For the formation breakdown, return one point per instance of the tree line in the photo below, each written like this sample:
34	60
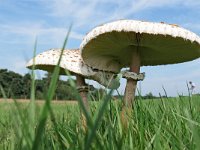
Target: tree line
18	86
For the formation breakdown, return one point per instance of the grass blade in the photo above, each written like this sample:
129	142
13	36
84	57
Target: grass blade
47	108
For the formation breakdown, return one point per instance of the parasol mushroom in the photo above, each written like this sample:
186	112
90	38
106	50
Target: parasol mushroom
130	43
72	61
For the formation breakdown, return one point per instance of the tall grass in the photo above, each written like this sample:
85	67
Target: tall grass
152	125
170	123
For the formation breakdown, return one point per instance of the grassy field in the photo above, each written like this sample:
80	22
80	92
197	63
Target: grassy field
153	124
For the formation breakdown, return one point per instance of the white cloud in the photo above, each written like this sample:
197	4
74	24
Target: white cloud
96	11
74	10
28	32
37	30
87	14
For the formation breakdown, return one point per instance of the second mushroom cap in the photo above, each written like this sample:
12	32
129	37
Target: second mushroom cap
72	61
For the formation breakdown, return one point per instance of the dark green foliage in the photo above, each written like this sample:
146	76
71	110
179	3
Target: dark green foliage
18	86
149	96
12	83
27	85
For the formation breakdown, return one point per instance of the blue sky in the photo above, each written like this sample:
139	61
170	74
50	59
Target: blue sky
21	21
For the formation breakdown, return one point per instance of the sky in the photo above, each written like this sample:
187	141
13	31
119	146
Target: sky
24	21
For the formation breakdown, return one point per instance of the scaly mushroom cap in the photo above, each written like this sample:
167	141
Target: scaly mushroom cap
109	47
71	61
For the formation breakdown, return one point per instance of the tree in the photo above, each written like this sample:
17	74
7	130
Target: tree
149	96
27	85
12	83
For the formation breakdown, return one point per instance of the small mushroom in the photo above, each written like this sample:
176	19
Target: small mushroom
130	43
72	61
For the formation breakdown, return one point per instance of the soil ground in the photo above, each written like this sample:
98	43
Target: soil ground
39	101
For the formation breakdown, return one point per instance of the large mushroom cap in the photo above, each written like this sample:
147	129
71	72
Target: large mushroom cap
109	47
71	61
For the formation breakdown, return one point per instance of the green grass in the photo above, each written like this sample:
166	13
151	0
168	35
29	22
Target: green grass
154	124
171	123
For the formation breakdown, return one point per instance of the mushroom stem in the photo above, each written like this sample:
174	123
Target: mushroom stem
80	81
132	84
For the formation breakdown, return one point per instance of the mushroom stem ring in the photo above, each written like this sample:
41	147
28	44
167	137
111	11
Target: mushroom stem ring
84	88
132	75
